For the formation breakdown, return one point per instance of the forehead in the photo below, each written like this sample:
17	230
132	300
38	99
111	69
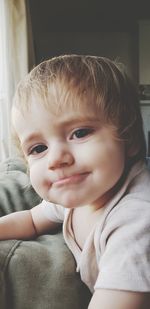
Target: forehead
39	115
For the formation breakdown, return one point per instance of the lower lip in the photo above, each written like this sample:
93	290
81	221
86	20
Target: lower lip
74	179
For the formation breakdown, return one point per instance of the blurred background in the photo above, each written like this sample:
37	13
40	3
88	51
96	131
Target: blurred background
110	28
114	29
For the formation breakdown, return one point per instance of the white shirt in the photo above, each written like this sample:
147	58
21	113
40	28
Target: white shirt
116	254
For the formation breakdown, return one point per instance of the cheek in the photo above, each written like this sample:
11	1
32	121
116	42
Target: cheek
36	177
114	162
108	159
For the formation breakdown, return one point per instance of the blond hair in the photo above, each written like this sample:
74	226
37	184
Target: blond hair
71	80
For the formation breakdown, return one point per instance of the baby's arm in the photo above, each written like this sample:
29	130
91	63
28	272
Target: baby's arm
113	299
25	224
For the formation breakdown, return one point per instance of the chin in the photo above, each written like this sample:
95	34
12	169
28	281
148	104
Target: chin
68	202
72	204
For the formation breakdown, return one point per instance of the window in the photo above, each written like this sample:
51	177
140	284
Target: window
13	63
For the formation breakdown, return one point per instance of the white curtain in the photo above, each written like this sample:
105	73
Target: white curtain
13	63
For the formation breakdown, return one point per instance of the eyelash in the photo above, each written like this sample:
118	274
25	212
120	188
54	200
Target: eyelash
81	133
35	149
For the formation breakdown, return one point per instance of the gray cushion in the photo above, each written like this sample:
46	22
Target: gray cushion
40	273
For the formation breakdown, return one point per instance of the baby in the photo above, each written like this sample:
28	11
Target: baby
78	122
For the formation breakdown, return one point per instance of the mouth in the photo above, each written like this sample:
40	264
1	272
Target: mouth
73	179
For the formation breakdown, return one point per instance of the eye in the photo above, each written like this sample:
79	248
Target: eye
81	133
37	149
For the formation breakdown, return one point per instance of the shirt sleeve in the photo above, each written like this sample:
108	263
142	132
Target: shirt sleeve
125	249
53	212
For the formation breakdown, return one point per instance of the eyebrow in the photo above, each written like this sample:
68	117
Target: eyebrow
31	137
78	119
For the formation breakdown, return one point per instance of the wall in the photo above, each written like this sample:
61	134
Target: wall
112	29
144	51
99	27
144	73
120	45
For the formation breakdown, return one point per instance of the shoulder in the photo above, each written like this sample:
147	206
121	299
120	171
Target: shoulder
134	203
134	192
140	183
53	212
131	215
124	244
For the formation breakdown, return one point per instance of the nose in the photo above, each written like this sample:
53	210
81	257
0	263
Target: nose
59	156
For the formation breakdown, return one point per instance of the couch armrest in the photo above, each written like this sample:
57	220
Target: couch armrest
40	274
36	274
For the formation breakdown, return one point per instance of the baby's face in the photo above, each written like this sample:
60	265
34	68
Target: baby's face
74	160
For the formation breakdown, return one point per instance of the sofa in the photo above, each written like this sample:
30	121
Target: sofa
38	273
